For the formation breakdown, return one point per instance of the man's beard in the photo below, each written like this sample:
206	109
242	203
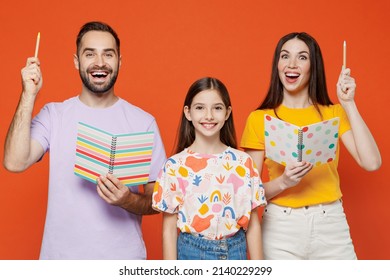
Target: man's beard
98	89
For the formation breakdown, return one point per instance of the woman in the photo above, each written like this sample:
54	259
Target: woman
304	218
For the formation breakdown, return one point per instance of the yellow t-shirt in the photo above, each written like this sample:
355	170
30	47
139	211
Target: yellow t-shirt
321	184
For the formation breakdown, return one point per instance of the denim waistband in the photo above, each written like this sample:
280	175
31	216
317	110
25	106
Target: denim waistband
205	244
322	207
338	201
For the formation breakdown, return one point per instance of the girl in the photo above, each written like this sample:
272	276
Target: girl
305	218
209	190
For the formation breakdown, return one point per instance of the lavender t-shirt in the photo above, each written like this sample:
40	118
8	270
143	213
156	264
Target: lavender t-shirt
79	224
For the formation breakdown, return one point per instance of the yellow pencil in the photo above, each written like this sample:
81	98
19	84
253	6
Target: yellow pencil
344	55
37	44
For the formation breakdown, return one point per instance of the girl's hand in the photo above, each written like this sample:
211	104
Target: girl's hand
346	87
293	173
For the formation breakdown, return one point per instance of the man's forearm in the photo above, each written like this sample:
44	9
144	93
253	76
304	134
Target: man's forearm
139	204
17	143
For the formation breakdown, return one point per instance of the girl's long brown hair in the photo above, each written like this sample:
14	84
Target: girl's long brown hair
186	132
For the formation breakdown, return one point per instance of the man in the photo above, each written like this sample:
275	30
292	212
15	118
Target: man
84	220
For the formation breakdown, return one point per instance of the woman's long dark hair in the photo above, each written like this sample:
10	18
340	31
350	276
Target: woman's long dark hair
186	132
318	92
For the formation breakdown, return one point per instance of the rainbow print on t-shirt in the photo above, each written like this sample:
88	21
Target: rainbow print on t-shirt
315	143
126	156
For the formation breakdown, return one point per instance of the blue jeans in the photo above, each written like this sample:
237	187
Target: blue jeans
190	247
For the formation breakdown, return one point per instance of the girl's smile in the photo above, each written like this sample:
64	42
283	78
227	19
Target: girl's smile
207	113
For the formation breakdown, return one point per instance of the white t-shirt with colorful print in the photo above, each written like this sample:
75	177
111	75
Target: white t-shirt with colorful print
213	195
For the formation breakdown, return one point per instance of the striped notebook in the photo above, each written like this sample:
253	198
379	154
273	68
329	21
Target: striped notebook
126	156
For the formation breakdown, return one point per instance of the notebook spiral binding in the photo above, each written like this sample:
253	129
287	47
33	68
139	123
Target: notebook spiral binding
300	145
112	155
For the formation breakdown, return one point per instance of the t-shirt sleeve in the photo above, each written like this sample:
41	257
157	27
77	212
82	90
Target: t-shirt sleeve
167	195
257	189
344	121
253	134
40	128
158	153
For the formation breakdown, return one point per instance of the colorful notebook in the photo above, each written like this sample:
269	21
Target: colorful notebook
315	143
126	156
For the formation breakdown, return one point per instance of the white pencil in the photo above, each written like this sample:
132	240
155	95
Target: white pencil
345	54
37	44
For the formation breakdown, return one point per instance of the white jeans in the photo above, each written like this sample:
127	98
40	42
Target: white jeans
318	232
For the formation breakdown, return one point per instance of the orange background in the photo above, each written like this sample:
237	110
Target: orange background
166	45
